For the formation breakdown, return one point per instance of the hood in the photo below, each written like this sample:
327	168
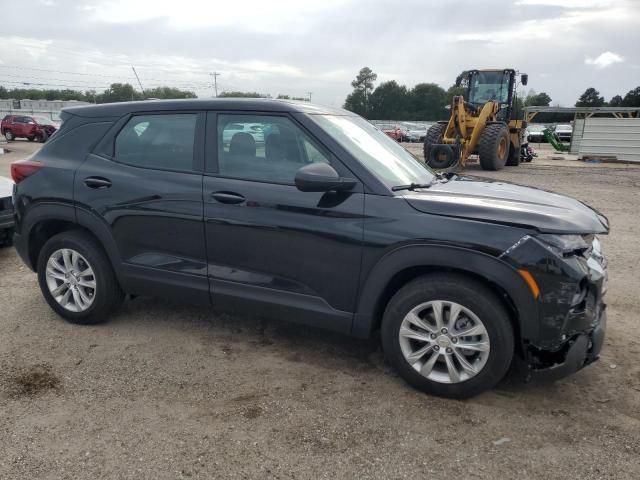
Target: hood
509	204
6	187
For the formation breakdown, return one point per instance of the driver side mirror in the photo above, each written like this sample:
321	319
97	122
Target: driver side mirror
524	78
321	177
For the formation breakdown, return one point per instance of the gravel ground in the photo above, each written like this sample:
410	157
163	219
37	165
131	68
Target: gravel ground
166	391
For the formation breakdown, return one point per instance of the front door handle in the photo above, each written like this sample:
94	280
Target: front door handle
228	197
97	182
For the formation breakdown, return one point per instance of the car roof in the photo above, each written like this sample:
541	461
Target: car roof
226	104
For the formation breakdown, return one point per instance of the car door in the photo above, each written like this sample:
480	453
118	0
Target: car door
144	181
19	126
271	248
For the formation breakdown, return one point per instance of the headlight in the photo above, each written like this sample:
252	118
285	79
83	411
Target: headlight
566	245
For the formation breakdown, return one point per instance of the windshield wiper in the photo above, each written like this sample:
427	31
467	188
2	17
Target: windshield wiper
411	186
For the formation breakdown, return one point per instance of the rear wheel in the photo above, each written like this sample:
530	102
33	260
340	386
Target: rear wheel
8	134
494	145
514	156
76	278
448	335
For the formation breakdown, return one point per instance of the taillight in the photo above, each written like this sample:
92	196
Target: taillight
23	169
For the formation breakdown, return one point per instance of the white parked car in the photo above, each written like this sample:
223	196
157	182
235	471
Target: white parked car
6	212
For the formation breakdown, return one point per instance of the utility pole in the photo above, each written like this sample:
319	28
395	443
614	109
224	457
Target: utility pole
215	81
139	82
310	93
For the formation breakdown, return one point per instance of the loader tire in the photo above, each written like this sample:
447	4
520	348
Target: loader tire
434	136
514	156
493	148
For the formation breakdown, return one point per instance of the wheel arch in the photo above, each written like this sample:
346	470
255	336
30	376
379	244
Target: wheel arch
48	219
404	264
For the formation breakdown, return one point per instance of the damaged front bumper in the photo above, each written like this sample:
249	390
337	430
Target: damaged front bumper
572	312
576	353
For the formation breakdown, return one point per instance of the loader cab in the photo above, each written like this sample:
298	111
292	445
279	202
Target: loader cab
491	85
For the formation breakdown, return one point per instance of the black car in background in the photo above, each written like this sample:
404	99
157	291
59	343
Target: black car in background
6	212
327	222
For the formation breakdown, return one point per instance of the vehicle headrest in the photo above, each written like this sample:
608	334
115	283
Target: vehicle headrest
242	143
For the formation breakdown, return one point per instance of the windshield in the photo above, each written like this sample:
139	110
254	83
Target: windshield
42	120
379	153
486	86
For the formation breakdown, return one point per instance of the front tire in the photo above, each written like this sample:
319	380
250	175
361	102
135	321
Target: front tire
448	335
77	280
494	145
433	137
41	137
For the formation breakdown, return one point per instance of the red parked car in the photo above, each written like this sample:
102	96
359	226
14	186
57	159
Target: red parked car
29	127
395	132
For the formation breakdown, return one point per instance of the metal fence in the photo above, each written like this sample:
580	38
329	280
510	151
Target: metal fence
611	137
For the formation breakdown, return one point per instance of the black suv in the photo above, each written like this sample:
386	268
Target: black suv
312	215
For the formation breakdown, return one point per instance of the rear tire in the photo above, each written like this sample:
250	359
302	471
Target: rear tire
8	134
107	294
514	156
477	305
494	145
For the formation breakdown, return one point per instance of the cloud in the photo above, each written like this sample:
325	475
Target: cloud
604	60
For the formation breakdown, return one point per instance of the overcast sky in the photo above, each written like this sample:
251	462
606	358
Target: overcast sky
297	46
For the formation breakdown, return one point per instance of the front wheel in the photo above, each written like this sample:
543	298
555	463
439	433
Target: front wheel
41	137
76	278
448	335
494	146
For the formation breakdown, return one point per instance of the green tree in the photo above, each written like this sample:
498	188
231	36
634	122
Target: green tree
358	100
616	101
590	98
237	94
428	101
355	102
537	99
168	92
119	92
389	101
456	91
632	98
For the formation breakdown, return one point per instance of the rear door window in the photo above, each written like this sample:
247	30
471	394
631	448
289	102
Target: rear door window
164	141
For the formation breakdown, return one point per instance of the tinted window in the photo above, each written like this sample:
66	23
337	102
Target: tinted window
158	141
264	148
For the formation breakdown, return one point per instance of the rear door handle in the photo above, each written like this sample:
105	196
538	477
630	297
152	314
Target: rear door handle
97	182
228	197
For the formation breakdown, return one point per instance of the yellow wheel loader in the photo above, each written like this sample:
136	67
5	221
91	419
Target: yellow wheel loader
484	124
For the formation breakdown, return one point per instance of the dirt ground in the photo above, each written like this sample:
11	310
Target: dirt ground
167	391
